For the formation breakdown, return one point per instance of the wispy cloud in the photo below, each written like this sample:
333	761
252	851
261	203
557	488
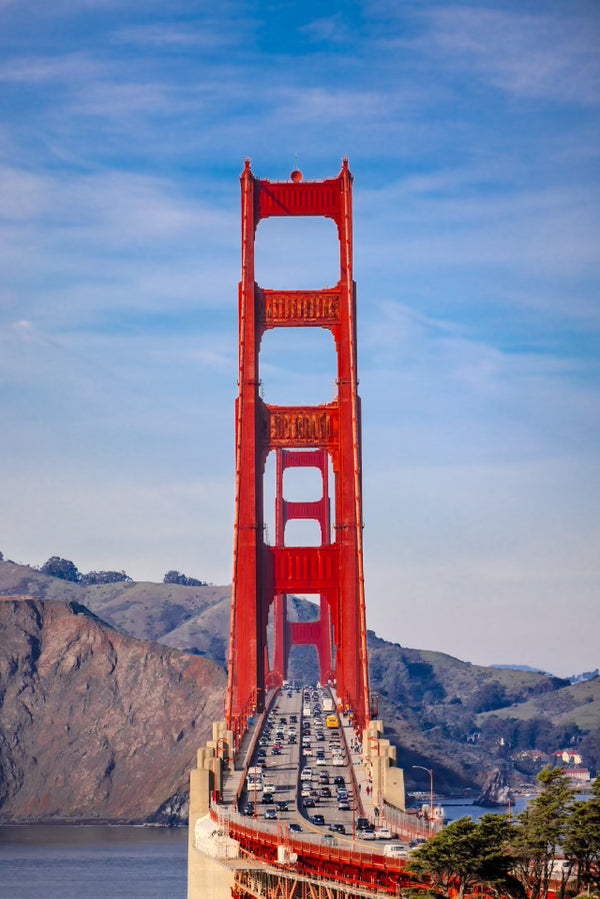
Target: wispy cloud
550	55
206	34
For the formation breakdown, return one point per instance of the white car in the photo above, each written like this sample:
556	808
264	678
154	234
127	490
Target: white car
337	761
395	850
321	761
306	774
367	835
384	833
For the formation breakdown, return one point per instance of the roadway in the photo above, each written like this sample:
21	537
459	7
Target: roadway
283	760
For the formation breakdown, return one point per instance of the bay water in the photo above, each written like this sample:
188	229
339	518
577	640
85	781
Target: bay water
92	862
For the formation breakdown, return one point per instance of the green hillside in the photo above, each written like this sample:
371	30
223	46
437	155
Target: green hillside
578	704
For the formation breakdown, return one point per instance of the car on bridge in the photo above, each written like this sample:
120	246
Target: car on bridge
271	814
318	819
337	828
395	850
383	833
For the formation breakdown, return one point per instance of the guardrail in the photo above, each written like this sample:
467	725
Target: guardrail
347	866
408	827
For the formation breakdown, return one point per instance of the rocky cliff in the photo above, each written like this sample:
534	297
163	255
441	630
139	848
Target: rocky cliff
96	725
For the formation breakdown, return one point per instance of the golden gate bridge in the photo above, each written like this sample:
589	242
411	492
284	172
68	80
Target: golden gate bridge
298	794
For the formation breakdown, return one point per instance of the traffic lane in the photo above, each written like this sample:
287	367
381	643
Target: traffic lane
280	771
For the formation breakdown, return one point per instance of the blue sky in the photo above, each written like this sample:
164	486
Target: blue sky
473	133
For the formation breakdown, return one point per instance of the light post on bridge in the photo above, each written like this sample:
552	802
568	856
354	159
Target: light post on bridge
430	772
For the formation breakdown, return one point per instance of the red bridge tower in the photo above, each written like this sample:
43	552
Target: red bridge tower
335	569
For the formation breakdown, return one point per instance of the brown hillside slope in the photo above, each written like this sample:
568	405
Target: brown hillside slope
95	725
189	618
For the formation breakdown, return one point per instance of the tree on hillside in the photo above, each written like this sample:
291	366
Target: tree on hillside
103	577
61	568
467	854
540	830
175	577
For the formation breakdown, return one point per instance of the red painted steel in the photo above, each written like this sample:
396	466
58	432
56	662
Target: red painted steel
335	571
345	866
317	633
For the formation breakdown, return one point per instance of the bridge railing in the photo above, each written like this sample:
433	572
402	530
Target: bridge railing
408	827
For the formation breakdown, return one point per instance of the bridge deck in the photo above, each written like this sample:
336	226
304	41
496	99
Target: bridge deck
286	742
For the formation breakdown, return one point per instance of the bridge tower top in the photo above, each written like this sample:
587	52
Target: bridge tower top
333	570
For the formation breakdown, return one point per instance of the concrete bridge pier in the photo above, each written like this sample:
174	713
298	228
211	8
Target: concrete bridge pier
208	878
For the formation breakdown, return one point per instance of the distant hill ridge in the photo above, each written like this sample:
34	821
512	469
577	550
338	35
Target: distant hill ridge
462	719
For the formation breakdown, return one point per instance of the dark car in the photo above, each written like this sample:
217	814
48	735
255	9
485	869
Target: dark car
270	813
339	781
296	827
337	828
249	810
308	803
325	792
318	819
267	797
282	806
362	823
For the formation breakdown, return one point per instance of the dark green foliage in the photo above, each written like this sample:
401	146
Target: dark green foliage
531	733
540	830
489	696
518	859
175	577
103	577
467	854
590	749
581	842
61	568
